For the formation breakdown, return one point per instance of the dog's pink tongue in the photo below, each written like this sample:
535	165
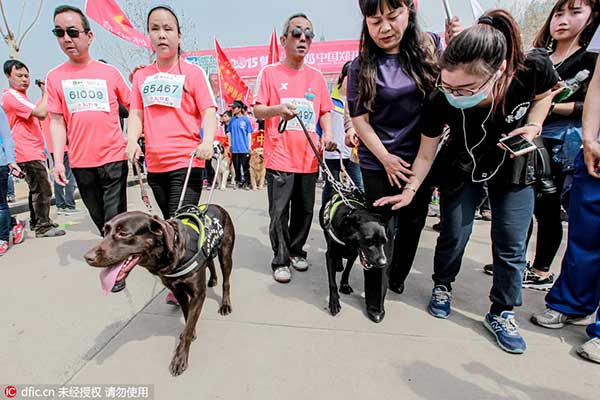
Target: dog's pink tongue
108	277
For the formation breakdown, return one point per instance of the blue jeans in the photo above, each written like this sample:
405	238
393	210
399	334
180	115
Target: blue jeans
11	186
65	195
352	169
6	222
577	290
512	209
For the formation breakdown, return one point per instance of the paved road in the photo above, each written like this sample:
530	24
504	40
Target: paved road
280	341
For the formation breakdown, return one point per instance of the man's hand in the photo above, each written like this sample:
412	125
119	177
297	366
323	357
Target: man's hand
59	174
591	155
351	139
204	151
14	167
133	151
286	111
329	143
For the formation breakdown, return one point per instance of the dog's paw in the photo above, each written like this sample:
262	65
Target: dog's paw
334	307
212	282
225	309
346	289
179	363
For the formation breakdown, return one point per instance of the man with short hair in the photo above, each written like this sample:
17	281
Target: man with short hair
240	131
24	120
83	101
284	90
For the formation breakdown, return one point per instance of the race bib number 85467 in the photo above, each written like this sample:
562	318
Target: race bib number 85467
163	89
86	95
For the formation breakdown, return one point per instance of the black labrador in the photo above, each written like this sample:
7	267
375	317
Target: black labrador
351	230
162	247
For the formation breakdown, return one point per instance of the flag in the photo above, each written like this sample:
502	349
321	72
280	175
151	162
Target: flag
109	15
232	85
477	10
273	49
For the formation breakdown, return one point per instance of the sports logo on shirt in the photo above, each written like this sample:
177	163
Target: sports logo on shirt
284	86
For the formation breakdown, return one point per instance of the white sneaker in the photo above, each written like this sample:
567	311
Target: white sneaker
590	350
299	264
553	319
282	274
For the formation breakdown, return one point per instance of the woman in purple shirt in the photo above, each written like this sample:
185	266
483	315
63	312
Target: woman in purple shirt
387	85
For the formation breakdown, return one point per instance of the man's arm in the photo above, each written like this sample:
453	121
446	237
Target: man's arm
41	110
58	131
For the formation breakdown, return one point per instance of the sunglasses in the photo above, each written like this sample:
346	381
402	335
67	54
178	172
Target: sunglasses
72	32
297	33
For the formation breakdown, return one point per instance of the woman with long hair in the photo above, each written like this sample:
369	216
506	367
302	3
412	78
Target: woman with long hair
387	86
487	89
566	34
171	100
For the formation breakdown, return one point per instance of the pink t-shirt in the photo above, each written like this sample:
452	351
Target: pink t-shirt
88	98
25	128
172	102
306	89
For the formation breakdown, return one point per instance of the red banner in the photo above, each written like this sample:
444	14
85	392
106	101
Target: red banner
258	139
109	15
274	55
328	57
232	85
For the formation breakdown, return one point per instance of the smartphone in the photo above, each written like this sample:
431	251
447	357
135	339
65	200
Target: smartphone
447	9
16	174
517	145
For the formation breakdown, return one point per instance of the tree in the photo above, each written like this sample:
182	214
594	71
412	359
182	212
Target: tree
531	15
12	40
127	56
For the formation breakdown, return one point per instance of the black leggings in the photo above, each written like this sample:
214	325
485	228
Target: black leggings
167	187
407	226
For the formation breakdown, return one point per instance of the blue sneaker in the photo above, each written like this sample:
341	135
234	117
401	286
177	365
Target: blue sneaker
506	331
441	299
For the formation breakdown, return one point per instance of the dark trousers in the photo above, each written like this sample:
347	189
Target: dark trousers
65	195
408	222
483	204
512	209
209	172
577	290
103	190
241	162
167	188
291	203
549	224
6	222
352	169
40	194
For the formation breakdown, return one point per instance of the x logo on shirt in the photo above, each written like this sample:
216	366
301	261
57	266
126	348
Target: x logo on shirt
284	86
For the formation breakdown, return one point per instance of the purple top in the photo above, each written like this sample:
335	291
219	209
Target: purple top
397	110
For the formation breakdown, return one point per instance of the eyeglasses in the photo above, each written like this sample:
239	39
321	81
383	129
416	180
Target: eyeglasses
460	91
72	32
297	33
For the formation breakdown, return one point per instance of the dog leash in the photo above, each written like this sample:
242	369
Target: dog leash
218	152
344	190
143	191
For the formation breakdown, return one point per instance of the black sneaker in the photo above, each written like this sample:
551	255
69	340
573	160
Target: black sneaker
488	269
531	280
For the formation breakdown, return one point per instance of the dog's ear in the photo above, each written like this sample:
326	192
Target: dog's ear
349	226
165	234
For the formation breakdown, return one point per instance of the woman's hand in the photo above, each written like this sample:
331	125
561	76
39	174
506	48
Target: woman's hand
204	151
351	139
397	169
398	201
591	155
528	132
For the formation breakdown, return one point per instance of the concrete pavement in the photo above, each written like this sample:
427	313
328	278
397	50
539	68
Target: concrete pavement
280	341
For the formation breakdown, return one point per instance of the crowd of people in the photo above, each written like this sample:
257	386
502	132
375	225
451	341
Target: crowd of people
412	114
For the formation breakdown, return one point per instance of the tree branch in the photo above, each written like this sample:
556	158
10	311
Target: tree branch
8	31
37	16
21	17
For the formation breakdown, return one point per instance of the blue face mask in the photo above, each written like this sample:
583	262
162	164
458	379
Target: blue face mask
464	102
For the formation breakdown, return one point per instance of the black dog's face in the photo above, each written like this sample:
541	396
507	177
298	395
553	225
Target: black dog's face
368	232
130	239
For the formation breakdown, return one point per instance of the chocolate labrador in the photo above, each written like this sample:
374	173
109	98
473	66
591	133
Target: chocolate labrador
352	231
175	251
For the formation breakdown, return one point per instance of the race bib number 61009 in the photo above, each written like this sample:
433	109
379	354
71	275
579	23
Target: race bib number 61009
86	95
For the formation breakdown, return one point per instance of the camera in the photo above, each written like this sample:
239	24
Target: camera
39	82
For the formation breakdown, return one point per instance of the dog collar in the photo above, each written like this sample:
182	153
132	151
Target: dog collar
330	209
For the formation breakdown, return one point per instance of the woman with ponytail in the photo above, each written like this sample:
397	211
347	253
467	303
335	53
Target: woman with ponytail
387	87
487	89
171	100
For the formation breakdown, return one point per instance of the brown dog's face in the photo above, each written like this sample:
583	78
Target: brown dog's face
258	154
130	239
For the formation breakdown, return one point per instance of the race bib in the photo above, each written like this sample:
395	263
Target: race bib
86	95
305	110
163	89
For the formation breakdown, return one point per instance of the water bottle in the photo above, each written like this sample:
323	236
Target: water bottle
572	85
